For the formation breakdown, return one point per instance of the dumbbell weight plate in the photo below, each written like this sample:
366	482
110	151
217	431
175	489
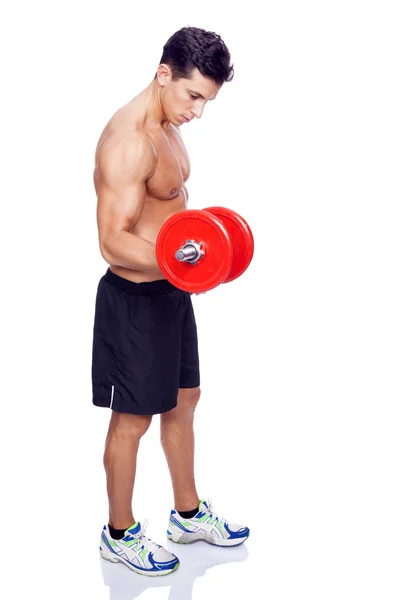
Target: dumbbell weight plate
241	238
207	230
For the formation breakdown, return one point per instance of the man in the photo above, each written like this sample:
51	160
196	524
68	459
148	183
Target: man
145	357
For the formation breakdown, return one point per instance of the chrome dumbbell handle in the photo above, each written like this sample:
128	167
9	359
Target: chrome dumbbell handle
190	252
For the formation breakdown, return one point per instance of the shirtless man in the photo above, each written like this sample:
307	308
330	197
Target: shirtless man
145	356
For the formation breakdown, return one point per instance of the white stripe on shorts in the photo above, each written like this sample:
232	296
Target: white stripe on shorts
112	396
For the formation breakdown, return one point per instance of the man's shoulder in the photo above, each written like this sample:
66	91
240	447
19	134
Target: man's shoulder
131	136
126	155
125	129
130	143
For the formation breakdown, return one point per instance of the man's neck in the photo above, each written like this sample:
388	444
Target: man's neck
154	112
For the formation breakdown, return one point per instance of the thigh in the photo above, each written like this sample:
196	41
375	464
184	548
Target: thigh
137	351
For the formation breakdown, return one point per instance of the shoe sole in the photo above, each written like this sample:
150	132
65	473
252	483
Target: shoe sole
107	555
186	538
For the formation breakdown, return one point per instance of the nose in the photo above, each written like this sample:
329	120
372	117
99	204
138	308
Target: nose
197	110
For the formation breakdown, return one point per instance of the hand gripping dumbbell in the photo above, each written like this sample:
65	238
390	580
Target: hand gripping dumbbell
199	249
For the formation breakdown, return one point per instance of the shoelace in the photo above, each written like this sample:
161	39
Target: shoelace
210	510
147	541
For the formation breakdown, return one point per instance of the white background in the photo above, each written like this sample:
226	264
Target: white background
298	426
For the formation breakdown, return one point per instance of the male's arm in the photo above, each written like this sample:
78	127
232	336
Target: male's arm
125	167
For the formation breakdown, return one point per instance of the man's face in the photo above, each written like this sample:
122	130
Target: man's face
184	99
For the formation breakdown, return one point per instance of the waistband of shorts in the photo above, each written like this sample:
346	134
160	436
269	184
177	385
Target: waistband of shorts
146	288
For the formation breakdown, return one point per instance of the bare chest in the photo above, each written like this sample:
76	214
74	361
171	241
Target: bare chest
173	166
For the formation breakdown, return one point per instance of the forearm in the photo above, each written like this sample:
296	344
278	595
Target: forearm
130	251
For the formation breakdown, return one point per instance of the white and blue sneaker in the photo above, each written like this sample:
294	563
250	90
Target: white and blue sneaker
206	526
138	552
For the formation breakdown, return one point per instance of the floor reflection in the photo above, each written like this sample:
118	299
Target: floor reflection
196	559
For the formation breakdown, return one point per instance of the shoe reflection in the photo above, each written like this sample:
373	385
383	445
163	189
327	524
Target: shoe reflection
196	559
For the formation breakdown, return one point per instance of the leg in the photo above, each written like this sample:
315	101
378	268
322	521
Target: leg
135	550
120	454
177	440
135	371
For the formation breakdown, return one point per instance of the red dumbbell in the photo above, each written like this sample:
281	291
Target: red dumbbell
199	249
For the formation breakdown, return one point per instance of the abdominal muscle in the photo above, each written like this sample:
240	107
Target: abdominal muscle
155	213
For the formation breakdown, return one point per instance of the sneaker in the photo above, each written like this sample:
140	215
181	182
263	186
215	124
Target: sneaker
138	552
206	526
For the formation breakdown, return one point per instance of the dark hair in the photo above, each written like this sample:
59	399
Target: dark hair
191	48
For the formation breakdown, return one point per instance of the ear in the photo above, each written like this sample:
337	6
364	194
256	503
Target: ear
164	74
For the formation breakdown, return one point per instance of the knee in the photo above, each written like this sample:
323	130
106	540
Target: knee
129	426
190	398
183	413
196	396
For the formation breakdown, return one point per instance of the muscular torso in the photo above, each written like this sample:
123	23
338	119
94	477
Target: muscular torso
166	193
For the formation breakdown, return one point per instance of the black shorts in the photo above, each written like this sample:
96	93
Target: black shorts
144	345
